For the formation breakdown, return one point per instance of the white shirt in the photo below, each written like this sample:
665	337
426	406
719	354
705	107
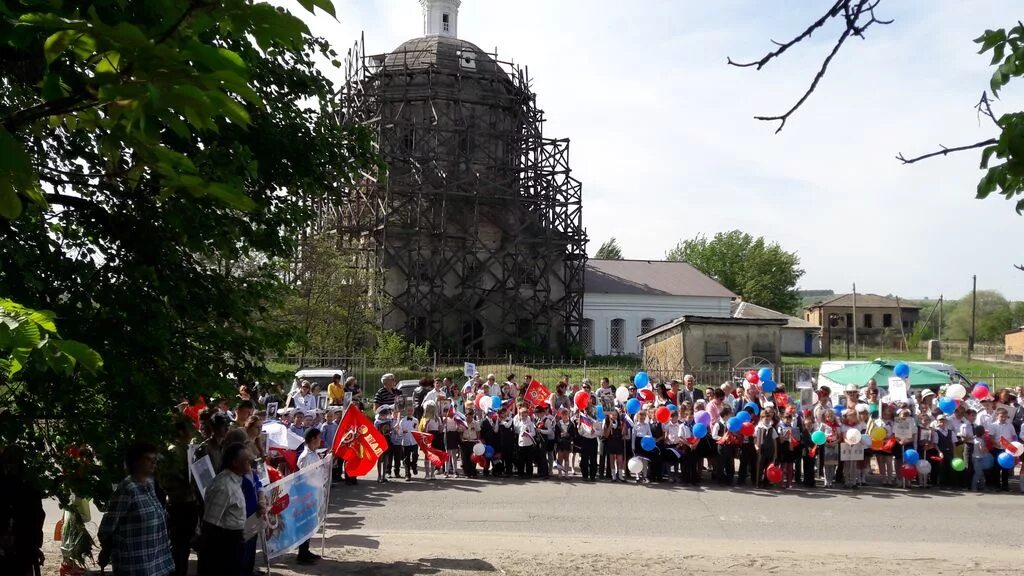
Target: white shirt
305	403
984	419
1002	430
224	503
525	428
405	428
308	457
641	429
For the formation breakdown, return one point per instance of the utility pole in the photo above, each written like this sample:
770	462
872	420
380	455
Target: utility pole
974	307
854	320
940	317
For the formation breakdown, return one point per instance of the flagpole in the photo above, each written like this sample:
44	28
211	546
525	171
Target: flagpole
263	538
327	503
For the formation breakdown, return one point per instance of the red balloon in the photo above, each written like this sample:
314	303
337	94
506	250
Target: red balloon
909	472
747	429
773	473
582	400
647	395
663	414
980	392
672	395
751	376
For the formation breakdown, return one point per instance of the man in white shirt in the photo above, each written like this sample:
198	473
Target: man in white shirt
308	457
224	515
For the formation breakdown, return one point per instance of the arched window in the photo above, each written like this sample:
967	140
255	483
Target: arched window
587	335
646	325
617	335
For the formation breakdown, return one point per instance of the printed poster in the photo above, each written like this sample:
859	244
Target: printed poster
853	452
897	389
904	429
468	369
298	507
202	471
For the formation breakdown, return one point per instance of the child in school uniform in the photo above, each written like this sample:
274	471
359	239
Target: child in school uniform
850	422
470	436
747	455
965	436
726	442
833	432
508	440
925	443
689	466
979	449
615	444
808	449
641	428
384	424
766	442
789	445
863	419
563	443
884	457
945	442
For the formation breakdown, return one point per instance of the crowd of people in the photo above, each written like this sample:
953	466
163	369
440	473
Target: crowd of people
733	435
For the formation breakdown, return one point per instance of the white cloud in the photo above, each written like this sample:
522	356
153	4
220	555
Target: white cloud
664	140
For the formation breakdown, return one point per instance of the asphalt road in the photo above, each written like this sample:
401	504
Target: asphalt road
462	527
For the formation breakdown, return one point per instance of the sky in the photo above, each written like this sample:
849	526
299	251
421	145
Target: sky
664	140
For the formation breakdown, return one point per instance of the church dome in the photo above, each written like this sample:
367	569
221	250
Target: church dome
442	52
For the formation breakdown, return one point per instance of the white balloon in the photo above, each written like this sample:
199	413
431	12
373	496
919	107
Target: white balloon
956	391
635	465
853	436
622	394
924	466
479	449
483	402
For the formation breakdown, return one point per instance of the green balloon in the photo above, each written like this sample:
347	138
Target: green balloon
958	464
818	437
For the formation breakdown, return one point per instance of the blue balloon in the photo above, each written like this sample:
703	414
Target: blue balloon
488	452
496	402
839	409
648	443
910	456
947	405
764	374
734	424
632	406
987	461
672	408
768	386
743	416
600	412
752	406
641	379
901	370
1006	461
700	430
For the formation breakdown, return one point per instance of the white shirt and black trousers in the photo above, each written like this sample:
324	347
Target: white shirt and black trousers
220	551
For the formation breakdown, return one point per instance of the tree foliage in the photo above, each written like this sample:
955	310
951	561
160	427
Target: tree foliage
609	250
159	162
994	315
760	272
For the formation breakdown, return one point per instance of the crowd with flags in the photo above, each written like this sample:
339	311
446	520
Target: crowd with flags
243	473
731	434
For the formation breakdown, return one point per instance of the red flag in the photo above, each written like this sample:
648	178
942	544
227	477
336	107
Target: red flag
889	445
358	443
288	456
692	441
193	410
536	394
435	456
1007	445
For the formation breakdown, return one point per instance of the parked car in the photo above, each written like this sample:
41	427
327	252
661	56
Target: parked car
407	387
319	376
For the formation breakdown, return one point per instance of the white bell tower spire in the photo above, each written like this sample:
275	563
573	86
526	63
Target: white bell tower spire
441	17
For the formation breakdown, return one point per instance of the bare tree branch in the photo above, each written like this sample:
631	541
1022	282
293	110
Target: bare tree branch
985	107
944	151
858	16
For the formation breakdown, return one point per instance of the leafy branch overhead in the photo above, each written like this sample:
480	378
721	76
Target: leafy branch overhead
161	162
1006	176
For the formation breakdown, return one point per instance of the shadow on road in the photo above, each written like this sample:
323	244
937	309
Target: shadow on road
363	568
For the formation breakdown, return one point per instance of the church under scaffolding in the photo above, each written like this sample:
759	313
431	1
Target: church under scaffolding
474	235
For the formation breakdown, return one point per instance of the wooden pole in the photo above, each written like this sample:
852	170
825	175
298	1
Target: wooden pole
903	335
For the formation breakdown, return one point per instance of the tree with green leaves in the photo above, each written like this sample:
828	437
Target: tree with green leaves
993	316
1002	155
159	163
610	250
760	272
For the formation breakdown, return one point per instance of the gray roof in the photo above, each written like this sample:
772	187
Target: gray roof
866	300
742	309
713	320
650	277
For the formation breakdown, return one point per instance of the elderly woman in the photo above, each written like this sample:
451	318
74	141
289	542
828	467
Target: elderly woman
133	533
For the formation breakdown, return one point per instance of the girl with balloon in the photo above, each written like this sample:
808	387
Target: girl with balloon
925	445
851	434
830	429
615	444
727	442
766	443
882	433
563	443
